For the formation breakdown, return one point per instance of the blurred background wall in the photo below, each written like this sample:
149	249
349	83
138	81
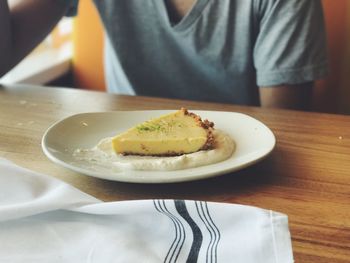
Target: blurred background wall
332	94
88	48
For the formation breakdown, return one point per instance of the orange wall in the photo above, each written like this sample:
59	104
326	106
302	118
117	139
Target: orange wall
88	48
328	92
331	94
344	91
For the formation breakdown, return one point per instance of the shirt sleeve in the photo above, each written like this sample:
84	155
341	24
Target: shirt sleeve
73	8
290	46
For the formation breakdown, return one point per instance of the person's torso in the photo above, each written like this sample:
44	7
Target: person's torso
206	55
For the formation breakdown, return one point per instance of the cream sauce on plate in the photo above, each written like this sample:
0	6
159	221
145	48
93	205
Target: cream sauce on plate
103	155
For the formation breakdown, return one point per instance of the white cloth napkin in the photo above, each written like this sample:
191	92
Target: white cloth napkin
45	220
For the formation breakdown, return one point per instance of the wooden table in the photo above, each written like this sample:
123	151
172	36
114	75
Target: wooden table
306	177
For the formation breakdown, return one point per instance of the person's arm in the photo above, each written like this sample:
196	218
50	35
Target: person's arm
24	25
297	97
290	49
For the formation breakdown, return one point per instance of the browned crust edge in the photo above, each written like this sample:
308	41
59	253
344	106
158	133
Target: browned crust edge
206	124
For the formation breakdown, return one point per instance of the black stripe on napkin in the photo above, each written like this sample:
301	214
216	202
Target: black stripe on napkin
216	229
210	230
180	234
197	234
203	212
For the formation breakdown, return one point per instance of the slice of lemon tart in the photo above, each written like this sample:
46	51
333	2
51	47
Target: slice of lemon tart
173	134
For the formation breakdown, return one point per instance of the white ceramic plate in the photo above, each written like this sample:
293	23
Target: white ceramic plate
253	142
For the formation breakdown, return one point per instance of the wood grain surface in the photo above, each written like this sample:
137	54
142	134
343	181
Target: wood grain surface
306	177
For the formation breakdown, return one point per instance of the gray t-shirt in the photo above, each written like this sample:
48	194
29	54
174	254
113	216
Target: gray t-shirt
221	51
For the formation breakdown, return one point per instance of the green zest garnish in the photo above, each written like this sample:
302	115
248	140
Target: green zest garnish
160	126
149	127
